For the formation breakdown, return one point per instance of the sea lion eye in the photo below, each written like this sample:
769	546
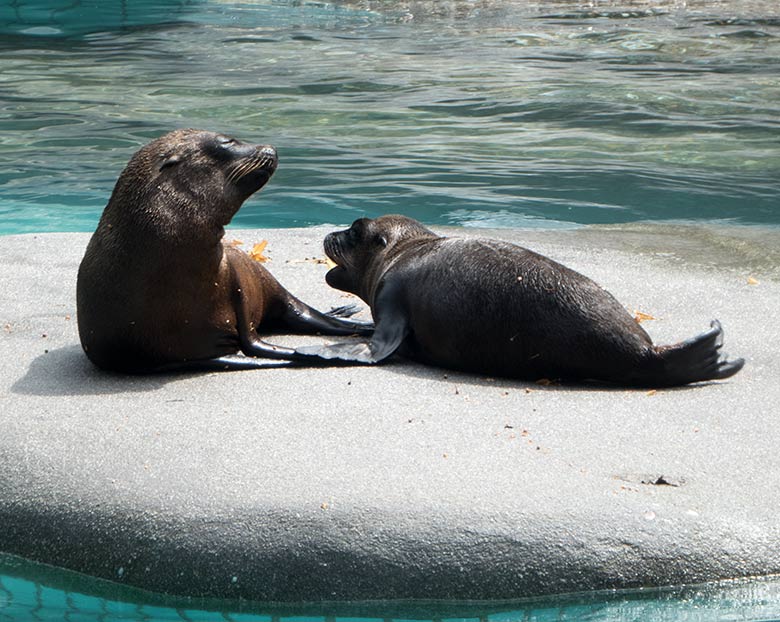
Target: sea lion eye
170	161
380	240
226	141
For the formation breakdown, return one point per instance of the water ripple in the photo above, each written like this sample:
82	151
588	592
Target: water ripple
451	112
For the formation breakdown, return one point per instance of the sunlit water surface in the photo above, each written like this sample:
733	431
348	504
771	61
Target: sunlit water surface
475	113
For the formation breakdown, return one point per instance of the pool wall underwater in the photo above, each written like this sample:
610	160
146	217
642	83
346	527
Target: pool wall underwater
57	18
34	592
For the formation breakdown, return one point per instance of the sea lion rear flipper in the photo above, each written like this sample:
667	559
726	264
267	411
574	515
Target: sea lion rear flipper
249	343
300	316
696	359
248	340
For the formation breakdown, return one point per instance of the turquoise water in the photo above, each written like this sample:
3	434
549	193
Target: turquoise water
58	595
474	113
540	114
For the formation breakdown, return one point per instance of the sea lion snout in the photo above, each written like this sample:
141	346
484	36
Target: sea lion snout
270	158
253	166
266	156
269	151
334	247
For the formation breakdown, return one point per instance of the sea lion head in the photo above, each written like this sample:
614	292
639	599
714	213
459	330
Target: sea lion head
363	252
189	181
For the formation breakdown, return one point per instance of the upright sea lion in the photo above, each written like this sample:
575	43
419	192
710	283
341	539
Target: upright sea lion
496	308
157	286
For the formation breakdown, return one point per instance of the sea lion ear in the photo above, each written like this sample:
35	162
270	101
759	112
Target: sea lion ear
170	161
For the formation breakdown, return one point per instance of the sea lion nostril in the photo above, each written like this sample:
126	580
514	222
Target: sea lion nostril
268	158
268	150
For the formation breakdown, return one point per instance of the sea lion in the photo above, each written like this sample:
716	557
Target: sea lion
495	308
158	287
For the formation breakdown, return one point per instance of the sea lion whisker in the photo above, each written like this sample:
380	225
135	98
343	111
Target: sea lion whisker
236	172
253	164
230	174
257	161
246	167
243	170
239	171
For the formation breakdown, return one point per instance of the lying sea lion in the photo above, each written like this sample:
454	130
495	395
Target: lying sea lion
496	308
158	287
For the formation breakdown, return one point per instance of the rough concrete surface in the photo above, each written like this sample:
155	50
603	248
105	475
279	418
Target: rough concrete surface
399	481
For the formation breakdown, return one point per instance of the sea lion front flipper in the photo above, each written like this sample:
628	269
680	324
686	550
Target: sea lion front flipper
359	352
343	311
388	336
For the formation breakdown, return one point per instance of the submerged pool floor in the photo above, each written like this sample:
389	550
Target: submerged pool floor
63	595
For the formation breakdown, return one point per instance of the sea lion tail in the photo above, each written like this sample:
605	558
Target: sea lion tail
697	359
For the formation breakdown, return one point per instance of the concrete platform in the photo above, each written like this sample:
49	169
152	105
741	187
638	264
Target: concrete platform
400	481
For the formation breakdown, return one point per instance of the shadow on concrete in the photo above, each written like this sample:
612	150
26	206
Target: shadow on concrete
408	367
67	371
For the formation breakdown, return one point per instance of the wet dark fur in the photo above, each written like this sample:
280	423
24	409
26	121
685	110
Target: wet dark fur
157	286
495	308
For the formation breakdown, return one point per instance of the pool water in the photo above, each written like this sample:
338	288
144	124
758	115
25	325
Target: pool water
33	592
480	113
